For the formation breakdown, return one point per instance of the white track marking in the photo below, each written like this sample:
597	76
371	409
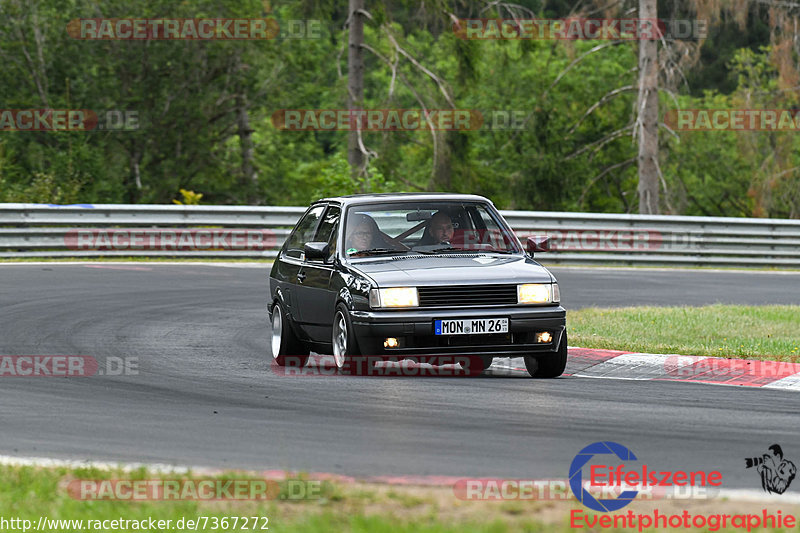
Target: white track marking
789	382
635	366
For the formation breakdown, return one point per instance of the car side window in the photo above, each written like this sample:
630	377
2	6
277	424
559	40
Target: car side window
326	232
486	220
489	230
303	233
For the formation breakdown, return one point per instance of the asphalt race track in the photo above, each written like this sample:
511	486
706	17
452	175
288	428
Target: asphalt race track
206	394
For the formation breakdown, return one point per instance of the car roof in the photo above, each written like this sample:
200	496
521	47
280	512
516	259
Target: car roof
403	197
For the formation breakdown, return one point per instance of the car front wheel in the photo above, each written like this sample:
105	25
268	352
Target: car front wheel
346	354
286	348
548	366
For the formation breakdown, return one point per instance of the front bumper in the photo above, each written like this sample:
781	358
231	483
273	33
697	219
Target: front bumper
415	332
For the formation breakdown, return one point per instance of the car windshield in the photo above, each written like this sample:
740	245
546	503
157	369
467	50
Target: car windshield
435	227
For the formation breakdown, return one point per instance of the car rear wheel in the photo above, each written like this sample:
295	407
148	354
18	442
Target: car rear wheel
548	366
286	348
346	354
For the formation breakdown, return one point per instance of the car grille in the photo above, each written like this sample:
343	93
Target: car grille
458	295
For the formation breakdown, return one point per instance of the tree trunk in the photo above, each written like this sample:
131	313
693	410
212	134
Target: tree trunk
133	184
647	116
355	83
249	175
442	161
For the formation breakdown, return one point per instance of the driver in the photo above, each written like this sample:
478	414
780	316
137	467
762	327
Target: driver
440	229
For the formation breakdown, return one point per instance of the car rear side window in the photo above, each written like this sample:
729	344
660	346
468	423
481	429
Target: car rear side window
303	232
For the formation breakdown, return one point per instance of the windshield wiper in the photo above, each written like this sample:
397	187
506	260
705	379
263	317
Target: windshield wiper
455	249
378	251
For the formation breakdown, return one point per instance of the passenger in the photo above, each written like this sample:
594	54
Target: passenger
362	233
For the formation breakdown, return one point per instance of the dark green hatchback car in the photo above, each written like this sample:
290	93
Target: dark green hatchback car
427	277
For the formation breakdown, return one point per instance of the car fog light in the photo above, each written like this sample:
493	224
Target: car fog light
543	337
390	342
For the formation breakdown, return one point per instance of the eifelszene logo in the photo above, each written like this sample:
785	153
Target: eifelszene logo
576	476
776	472
614	478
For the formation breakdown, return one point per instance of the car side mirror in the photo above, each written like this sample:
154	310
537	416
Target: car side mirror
316	251
538	243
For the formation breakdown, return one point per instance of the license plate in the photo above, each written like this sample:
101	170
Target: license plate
470	326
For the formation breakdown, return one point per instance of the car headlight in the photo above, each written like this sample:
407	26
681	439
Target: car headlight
394	297
538	293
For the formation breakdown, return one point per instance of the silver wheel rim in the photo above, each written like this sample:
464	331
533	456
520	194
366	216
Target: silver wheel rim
277	331
339	339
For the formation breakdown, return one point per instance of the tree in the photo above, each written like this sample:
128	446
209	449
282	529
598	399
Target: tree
355	84
647	116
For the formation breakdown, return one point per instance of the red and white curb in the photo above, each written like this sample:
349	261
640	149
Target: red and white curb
616	364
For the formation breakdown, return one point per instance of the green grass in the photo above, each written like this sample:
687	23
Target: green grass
30	492
747	332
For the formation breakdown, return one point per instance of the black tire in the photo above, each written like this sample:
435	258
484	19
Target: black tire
285	347
346	353
550	365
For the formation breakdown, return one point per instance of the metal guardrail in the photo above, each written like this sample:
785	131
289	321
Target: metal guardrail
49	231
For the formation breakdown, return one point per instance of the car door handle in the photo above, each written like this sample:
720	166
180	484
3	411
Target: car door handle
301	276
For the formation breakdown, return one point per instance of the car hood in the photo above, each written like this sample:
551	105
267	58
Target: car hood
453	270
